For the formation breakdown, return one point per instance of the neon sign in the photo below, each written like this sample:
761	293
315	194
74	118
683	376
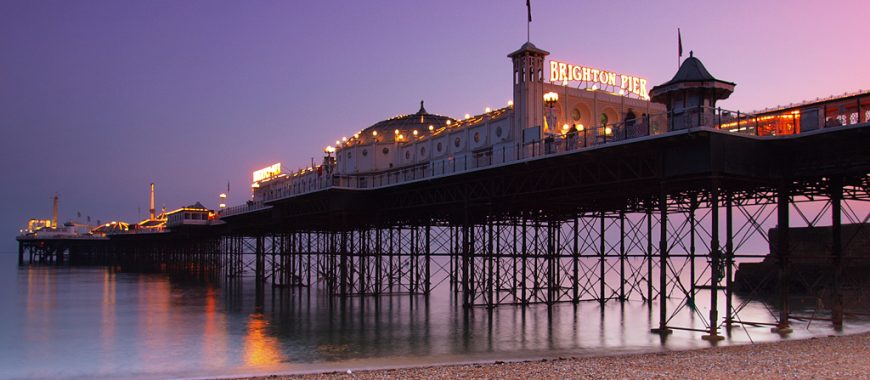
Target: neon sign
267	173
629	84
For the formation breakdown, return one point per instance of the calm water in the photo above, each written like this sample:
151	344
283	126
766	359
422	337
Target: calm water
90	322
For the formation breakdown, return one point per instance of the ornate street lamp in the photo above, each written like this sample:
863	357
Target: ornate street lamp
550	100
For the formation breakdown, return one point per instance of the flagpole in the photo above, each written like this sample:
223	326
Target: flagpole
529	21
679	48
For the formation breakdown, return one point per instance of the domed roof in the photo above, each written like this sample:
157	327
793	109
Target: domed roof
692	74
530	48
405	124
692	70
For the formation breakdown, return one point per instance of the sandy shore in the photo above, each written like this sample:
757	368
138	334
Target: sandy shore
835	357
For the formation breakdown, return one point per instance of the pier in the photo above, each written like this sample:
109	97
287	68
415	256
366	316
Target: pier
656	207
650	218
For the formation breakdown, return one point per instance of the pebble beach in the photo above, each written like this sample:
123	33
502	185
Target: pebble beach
832	357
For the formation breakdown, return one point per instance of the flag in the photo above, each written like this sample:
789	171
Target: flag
529	7
679	43
228	187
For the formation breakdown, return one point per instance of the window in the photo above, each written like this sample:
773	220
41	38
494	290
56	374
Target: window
422	150
604	119
476	137
407	154
365	152
386	151
439	147
457	141
575	115
498	132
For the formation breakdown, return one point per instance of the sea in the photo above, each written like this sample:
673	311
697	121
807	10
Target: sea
94	322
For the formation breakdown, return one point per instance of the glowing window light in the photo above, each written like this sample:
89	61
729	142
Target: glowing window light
374	133
431	128
396	132
415	132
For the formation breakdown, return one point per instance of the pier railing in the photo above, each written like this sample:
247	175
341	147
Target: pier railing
249	206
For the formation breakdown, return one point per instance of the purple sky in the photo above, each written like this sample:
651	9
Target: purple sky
99	98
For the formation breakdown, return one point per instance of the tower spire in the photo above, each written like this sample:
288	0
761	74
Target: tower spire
151	206
54	212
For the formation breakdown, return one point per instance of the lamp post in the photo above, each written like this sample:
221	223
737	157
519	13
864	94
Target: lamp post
328	161
550	100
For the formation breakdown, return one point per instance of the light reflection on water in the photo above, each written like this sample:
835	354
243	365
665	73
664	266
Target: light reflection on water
90	322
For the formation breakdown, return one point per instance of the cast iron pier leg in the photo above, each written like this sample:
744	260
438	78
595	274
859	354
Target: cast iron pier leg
601	260
428	258
649	255
729	260
575	279
692	207
783	253
714	336
837	251
466	264
622	256
663	270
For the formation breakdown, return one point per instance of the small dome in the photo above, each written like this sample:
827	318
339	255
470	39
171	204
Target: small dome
530	48
692	70
405	124
691	75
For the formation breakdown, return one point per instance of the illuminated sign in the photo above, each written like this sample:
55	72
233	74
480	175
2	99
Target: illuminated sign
267	173
629	84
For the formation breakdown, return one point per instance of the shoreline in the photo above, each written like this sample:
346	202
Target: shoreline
833	356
